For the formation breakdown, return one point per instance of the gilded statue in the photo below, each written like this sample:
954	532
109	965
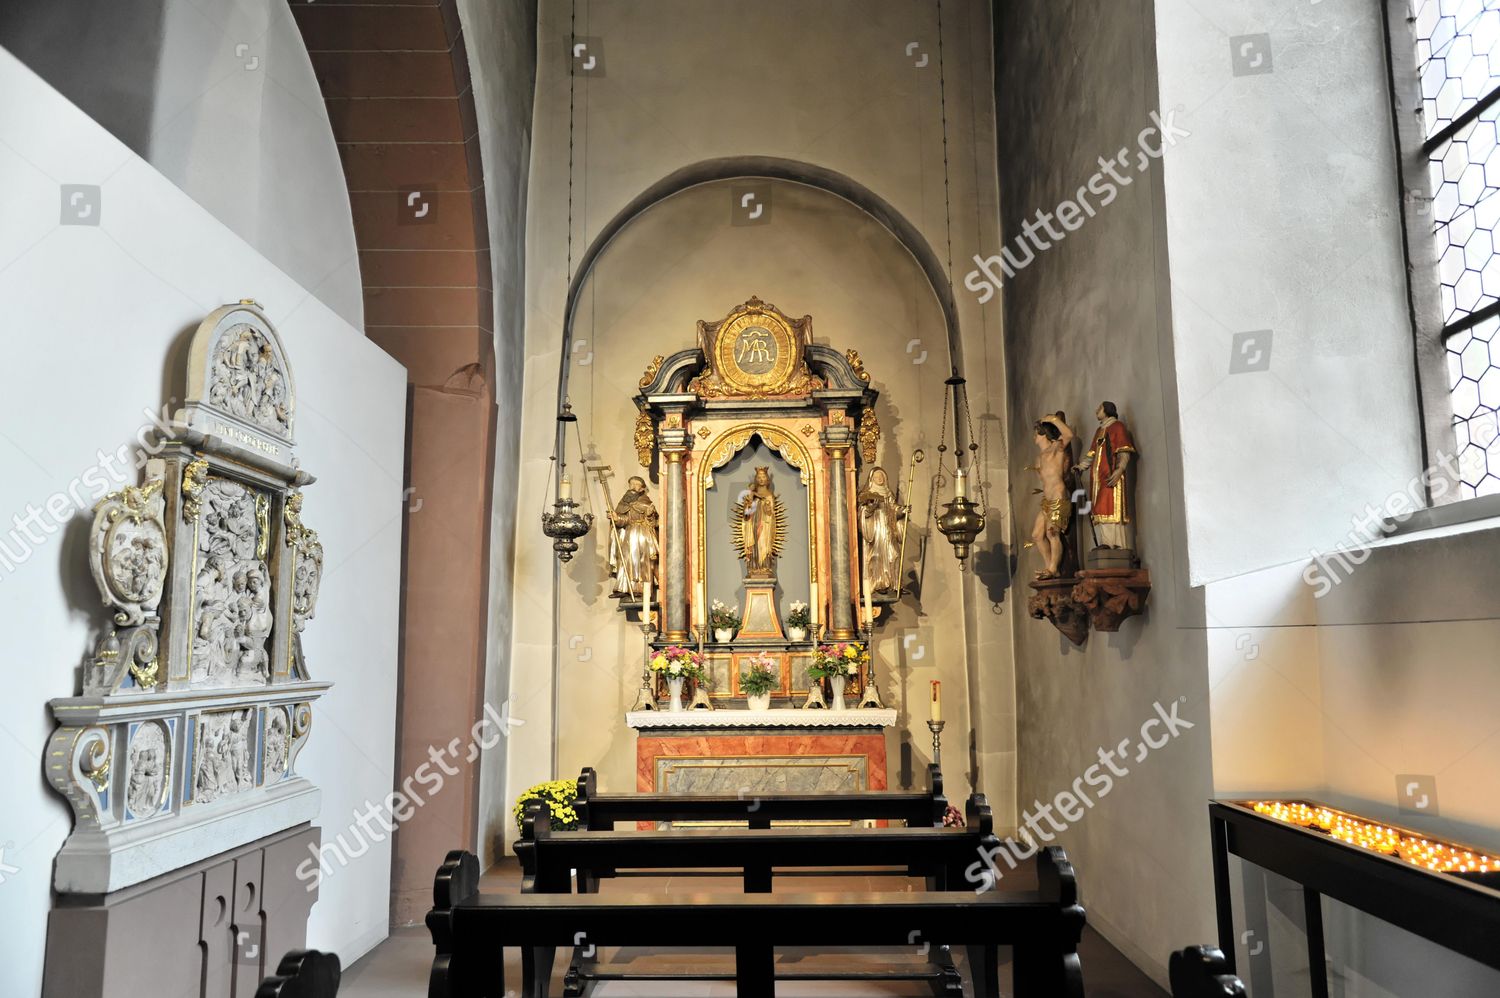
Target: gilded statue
762	526
633	553
879	524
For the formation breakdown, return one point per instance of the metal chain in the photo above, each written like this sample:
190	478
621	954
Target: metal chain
943	109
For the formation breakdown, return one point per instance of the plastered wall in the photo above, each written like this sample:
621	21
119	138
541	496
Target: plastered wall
1087	321
222	100
121	295
843	86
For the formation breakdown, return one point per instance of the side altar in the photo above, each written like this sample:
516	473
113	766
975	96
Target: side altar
756	547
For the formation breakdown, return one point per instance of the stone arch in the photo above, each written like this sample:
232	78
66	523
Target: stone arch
771	168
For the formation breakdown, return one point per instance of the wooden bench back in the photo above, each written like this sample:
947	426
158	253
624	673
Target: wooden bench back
548	857
1203	972
303	973
470	930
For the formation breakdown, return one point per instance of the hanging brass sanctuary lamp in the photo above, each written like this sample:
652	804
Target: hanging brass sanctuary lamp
563	523
962	518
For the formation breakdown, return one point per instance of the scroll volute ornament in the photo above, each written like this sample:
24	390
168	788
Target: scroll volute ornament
852	356
652	370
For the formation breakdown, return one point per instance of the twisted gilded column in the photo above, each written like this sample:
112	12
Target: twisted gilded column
837	439
674	444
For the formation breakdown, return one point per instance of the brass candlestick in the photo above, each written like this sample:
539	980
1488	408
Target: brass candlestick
645	698
936	727
871	696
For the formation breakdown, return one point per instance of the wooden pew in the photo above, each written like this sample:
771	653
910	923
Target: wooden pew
470	930
547	856
1202	972
602	812
303	973
549	861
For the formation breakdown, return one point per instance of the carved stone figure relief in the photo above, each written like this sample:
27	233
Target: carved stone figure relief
149	760
246	381
195	699
278	741
307	573
232	616
128	550
223	762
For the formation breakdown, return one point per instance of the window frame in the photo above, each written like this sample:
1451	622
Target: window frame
1423	274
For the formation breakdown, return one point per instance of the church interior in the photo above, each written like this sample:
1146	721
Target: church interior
983	497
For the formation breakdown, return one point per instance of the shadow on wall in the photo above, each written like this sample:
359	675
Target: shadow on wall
106	58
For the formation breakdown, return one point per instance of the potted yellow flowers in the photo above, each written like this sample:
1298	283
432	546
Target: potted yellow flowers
677	664
836	663
560	796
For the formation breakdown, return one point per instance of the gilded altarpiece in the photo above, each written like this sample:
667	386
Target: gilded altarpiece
757	436
196	699
755	386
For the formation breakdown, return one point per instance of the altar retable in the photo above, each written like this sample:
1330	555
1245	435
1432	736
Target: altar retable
756	438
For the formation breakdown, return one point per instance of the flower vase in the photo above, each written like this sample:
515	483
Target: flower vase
838	692
758	701
674	685
723	635
798	634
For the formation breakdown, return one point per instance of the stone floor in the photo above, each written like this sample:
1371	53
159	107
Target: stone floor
397	968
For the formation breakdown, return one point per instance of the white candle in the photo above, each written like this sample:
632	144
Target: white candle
960	485
646	597
565	488
812	610
937	701
869	607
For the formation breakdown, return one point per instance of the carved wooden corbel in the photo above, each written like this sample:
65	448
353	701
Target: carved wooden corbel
1110	595
1053	600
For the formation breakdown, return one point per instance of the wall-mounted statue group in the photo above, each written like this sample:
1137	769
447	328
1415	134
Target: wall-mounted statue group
1106	584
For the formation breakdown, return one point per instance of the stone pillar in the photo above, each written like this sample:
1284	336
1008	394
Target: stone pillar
674	444
836	439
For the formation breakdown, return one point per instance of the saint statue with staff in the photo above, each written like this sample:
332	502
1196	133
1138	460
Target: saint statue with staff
633	555
879	524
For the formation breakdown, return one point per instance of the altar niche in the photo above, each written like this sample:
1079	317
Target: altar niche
727	569
756	393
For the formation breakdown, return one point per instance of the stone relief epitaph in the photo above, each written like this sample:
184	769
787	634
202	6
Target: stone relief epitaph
223	758
196	700
246	382
149	765
232	616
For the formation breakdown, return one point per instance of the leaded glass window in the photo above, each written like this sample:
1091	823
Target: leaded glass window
1458	59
